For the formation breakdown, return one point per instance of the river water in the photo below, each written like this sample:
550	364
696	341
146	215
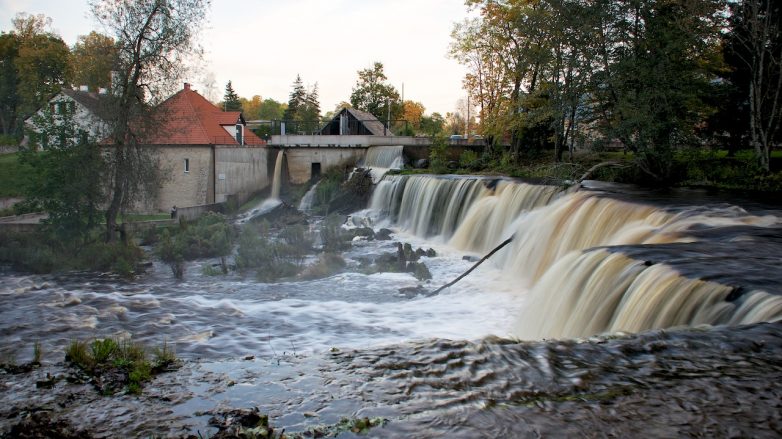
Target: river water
596	261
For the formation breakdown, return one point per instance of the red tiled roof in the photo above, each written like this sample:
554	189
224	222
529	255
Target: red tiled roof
189	119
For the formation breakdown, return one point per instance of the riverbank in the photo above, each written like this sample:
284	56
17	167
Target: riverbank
718	382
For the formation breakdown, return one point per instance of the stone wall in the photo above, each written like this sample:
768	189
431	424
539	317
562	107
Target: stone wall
240	171
300	160
192	213
181	187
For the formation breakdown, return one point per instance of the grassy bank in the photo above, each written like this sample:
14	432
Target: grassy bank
12	175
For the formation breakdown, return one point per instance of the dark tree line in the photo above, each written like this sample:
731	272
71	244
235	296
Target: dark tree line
656	76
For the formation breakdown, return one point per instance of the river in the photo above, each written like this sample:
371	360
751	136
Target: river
686	271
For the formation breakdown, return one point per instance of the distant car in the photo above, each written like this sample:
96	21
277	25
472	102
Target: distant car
456	137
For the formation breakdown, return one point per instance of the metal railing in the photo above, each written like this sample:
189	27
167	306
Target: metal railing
266	129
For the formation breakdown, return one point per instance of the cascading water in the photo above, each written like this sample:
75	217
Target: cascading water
381	159
569	290
274	197
277	179
435	206
305	205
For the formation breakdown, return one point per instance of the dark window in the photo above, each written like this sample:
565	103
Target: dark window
187	166
239	133
315	171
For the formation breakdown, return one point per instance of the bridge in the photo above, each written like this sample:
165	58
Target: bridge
309	154
361	141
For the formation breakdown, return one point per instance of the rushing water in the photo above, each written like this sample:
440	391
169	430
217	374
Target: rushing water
381	159
581	263
277	178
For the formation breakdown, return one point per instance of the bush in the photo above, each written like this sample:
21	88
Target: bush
209	236
272	259
469	160
438	159
328	189
332	236
121	363
8	140
42	252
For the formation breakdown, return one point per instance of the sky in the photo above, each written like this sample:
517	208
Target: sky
261	45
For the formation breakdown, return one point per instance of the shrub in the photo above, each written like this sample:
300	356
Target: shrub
332	236
270	259
469	159
438	159
43	252
104	358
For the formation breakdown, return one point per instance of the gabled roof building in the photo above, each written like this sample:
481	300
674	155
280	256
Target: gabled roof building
350	121
89	111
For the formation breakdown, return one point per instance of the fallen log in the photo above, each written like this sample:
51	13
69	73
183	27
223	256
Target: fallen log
495	250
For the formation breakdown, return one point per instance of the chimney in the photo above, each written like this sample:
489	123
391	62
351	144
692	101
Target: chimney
84	88
187	86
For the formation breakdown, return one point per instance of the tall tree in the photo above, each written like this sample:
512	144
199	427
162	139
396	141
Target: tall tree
34	63
757	43
303	107
64	177
296	99
154	39
231	100
373	94
413	111
9	83
92	60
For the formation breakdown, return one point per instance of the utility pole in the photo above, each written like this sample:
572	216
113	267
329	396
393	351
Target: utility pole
388	117
467	122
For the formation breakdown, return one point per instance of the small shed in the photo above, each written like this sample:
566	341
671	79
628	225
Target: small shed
350	121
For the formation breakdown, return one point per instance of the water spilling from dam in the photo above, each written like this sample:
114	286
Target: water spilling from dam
467	362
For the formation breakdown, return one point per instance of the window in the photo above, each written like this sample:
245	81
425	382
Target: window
315	171
187	166
239	134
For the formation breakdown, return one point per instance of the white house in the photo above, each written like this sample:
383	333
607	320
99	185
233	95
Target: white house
88	110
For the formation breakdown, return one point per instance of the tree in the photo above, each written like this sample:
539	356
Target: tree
271	110
34	63
432	125
757	43
64	177
154	39
231	100
9	83
303	107
413	111
296	99
652	95
373	95
92	60
252	107
639	71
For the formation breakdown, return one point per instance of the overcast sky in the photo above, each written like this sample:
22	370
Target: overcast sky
261	45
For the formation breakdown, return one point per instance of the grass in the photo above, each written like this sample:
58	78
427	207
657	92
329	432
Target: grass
133	218
102	357
12	175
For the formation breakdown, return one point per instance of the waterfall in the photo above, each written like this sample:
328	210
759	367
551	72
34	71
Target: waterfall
305	205
598	291
381	159
571	286
277	181
437	206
